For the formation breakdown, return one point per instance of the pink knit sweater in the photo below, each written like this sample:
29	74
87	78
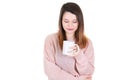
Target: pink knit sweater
61	67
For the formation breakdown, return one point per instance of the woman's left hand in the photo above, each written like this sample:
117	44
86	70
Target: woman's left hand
75	50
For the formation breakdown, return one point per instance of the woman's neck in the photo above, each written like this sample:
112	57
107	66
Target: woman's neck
70	37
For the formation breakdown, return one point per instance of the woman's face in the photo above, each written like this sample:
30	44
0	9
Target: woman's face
69	23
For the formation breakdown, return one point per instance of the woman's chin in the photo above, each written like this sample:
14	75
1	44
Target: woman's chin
70	32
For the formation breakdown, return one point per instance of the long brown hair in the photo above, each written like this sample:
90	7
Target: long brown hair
80	38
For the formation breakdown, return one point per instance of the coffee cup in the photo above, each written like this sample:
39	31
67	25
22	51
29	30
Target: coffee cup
67	47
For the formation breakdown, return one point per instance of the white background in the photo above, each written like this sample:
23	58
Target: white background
24	24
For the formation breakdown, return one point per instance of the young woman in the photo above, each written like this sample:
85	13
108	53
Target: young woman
79	65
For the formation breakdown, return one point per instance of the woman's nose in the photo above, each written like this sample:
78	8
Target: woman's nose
70	24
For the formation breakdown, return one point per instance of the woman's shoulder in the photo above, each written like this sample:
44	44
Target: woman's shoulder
52	36
89	43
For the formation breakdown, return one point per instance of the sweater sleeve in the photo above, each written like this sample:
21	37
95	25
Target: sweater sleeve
53	71
85	61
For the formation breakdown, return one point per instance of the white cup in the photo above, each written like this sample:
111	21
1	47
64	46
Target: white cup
66	47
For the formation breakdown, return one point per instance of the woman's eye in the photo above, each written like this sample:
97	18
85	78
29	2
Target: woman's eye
74	21
66	21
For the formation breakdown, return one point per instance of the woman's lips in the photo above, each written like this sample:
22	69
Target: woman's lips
70	29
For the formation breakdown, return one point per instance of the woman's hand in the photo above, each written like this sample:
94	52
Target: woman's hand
75	50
